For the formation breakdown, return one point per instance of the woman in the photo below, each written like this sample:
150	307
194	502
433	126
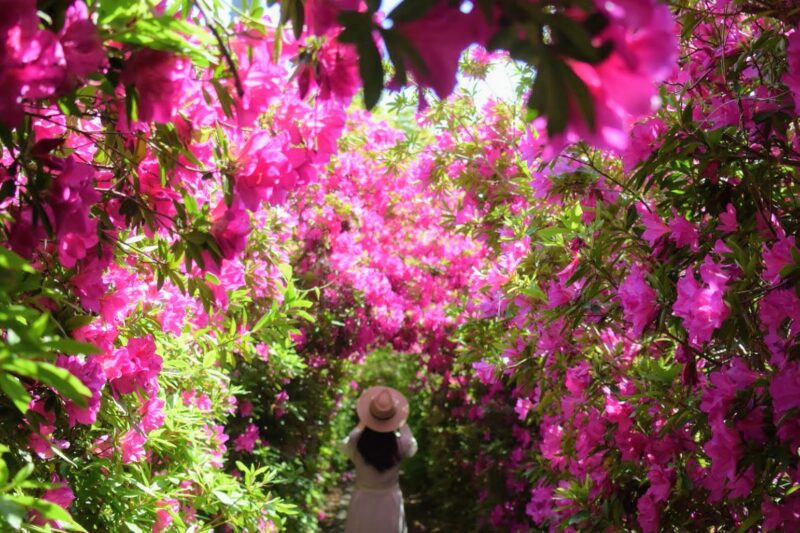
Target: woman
377	502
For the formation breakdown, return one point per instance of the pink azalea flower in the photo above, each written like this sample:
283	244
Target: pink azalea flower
654	227
134	367
245	408
440	36
649	516
91	374
32	62
684	233
217	447
103	447
230	228
727	220
132	446
163	516
777	257
541	505
73	195
152	414
623	87
321	15
265	172
642	142
485	372
724	449
660	483
158	77
785	389
83	48
638	300
60	495
792	76
247	441
702	309
523	406
41	441
88	283
337	74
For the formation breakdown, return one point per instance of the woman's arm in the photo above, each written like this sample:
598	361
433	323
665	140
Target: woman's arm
407	443
348	445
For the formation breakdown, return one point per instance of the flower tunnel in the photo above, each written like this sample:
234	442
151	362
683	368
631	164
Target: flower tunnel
220	222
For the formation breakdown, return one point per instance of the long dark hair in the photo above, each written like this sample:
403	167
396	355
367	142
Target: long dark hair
379	449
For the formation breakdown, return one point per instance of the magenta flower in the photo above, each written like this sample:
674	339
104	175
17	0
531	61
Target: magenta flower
441	35
684	233
132	446
523	406
541	505
83	48
247	441
152	412
785	389
660	482
245	408
643	139
158	78
702	309
777	257
321	15
265	172
134	367
724	449
485	372
649	516
624	86
654	227
230	228
163	516
60	495
41	441
32	63
91	374
73	195
638	300
727	220
792	76
337	74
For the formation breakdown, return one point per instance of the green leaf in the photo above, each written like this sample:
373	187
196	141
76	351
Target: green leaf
580	92
749	522
58	378
13	388
547	95
223	497
410	10
22	474
71	346
12	512
358	31
11	261
49	511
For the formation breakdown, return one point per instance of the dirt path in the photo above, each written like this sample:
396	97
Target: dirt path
336	511
339	499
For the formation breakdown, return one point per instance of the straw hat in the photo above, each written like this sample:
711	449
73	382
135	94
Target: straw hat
382	409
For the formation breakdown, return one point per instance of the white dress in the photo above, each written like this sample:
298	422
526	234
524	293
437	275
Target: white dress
377	502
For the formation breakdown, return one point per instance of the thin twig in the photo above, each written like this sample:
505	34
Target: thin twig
224	49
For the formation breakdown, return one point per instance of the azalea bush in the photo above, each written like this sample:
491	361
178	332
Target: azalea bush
208	247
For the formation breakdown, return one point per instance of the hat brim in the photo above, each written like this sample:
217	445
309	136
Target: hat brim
382	426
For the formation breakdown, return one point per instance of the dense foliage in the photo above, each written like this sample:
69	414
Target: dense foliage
208	247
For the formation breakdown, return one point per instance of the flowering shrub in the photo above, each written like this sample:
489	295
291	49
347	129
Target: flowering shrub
594	289
632	349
